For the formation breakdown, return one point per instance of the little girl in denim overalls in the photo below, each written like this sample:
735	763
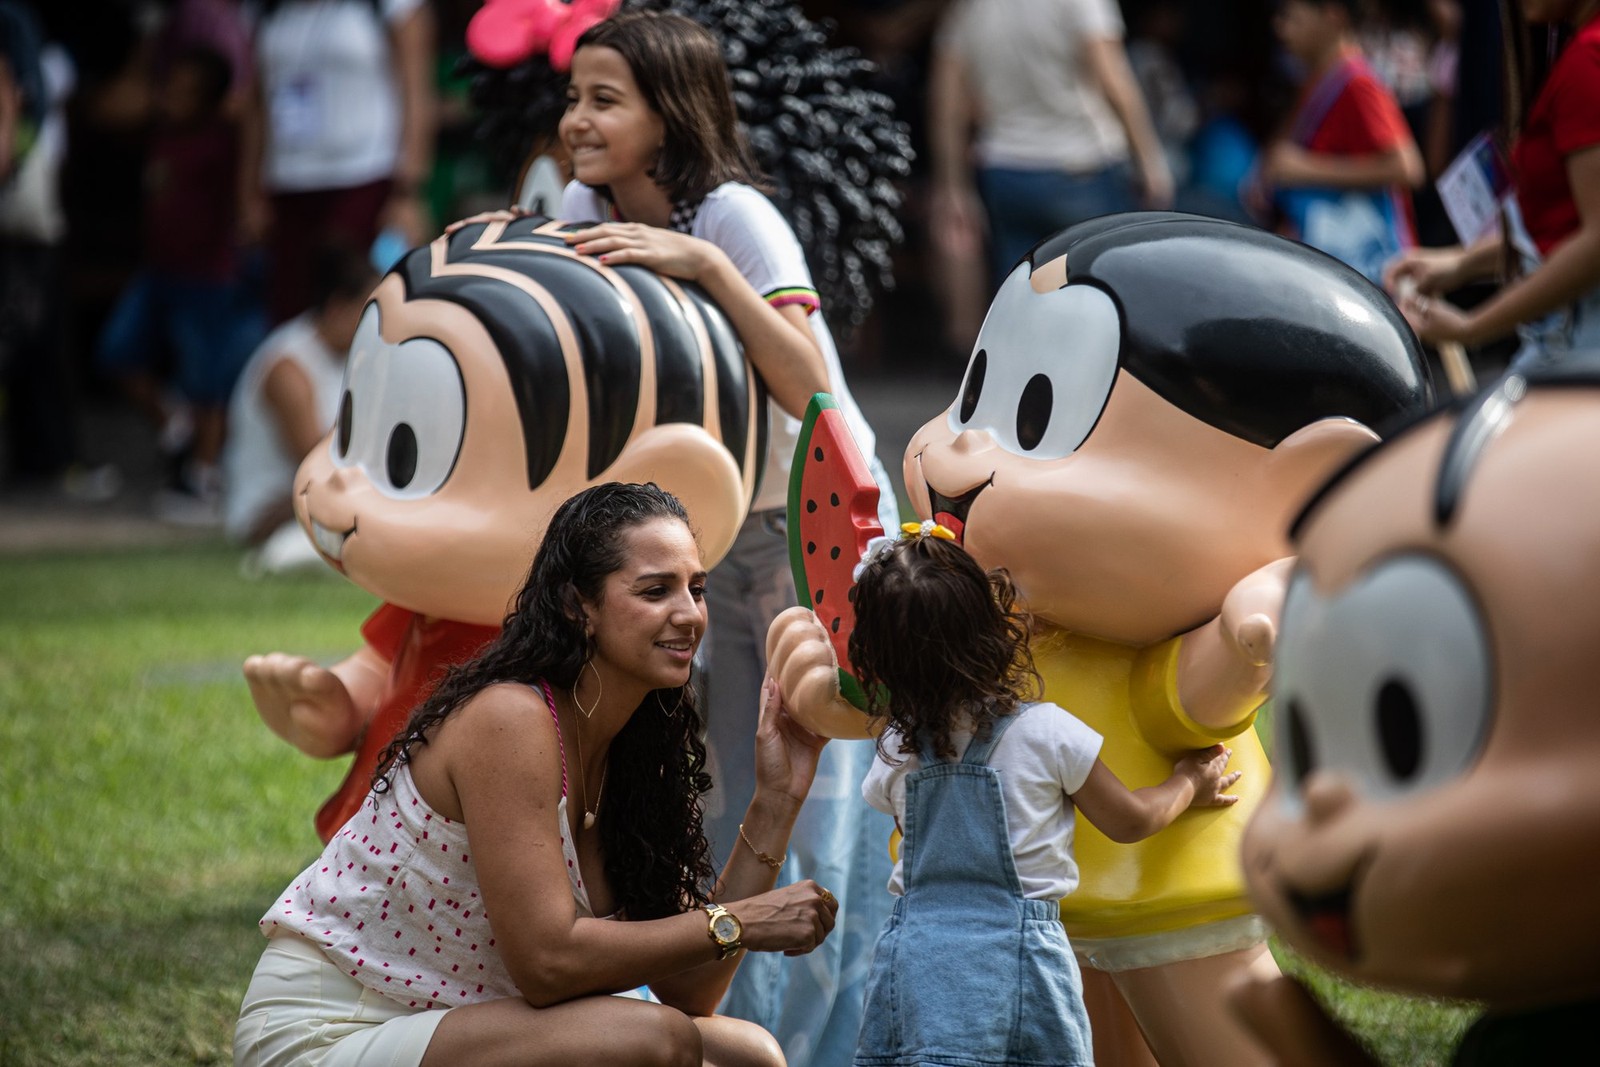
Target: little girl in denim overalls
973	967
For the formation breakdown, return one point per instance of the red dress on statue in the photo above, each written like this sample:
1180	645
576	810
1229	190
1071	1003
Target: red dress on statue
418	650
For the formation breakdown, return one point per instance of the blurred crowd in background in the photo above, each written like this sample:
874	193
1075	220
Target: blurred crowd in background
152	233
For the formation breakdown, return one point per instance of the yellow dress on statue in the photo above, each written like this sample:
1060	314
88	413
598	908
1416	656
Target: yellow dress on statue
1180	893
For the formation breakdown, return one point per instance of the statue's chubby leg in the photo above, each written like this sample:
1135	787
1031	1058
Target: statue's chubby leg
1183	1012
1118	1041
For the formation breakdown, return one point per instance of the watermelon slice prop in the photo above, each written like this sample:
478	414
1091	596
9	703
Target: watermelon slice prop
833	513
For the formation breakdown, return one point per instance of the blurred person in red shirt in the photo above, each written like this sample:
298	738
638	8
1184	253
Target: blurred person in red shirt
1340	177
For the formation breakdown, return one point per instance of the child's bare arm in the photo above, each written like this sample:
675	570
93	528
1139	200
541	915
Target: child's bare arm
1127	815
1288	165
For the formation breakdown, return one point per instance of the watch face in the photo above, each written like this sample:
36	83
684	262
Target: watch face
726	927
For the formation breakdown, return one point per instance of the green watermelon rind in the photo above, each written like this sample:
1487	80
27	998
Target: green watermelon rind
849	685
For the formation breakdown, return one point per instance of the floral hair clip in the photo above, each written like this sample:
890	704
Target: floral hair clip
927	528
878	547
505	32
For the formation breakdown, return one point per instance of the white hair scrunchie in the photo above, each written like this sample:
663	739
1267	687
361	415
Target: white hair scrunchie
879	546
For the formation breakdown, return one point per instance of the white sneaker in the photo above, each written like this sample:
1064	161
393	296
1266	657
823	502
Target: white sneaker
287	551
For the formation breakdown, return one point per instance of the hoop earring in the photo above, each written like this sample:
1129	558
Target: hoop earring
599	685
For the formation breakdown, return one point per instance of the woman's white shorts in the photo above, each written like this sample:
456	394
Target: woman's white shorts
303	1011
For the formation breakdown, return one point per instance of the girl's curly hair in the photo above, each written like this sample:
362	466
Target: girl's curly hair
939	644
827	141
657	858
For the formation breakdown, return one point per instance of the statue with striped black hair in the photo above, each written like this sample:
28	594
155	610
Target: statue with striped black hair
495	373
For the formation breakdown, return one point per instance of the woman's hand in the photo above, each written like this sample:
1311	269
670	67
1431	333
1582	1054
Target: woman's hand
786	752
956	220
1155	185
664	251
1423	270
1204	768
793	919
1435	319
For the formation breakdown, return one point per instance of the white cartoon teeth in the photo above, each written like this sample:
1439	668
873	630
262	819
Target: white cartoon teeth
329	542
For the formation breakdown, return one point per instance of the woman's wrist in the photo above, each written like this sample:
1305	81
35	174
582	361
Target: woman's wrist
773	812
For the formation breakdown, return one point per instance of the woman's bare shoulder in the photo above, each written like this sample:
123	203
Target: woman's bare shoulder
502	737
504	711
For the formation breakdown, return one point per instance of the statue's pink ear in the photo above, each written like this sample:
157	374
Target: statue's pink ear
1306	458
696	468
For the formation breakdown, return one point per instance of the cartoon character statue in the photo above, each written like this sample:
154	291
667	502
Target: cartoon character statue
1435	822
496	373
1150	398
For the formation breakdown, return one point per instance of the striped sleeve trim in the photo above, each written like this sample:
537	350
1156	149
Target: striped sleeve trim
795	294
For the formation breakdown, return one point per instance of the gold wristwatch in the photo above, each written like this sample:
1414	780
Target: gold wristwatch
725	929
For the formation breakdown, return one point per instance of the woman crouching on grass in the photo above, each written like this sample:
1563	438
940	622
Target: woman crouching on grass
454	921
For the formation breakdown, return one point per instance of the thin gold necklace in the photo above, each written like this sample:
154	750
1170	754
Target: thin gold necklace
588	813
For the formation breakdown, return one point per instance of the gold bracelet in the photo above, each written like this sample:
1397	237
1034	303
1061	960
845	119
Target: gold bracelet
771	861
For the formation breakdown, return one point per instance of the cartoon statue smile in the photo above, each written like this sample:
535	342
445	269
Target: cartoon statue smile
496	373
1150	399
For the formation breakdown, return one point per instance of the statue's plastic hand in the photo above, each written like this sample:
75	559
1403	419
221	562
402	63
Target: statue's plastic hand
307	705
1251	610
800	657
1224	665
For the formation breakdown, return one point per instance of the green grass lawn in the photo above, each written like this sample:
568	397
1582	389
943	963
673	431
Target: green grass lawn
147	818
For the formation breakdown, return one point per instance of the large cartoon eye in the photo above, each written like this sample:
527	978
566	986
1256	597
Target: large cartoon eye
341	446
1042	369
403	412
1389	682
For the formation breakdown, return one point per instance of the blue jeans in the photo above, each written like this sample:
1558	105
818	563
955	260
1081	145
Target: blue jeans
211	327
1026	206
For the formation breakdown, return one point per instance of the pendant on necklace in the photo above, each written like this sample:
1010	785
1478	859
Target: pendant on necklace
588	820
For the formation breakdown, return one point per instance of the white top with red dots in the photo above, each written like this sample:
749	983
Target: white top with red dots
393	901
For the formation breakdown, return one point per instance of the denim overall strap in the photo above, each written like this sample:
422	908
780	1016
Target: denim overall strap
955	839
979	751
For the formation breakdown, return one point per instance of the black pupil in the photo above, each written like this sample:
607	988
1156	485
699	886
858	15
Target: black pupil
1399	729
402	455
1033	411
1300	755
347	411
969	395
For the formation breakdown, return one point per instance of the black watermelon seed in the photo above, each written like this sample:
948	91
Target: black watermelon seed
811	505
811	547
833	553
834	499
851	595
836	624
818	454
819	596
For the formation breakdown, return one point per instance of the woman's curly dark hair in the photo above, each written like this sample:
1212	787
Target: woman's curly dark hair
938	643
828	142
657	858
